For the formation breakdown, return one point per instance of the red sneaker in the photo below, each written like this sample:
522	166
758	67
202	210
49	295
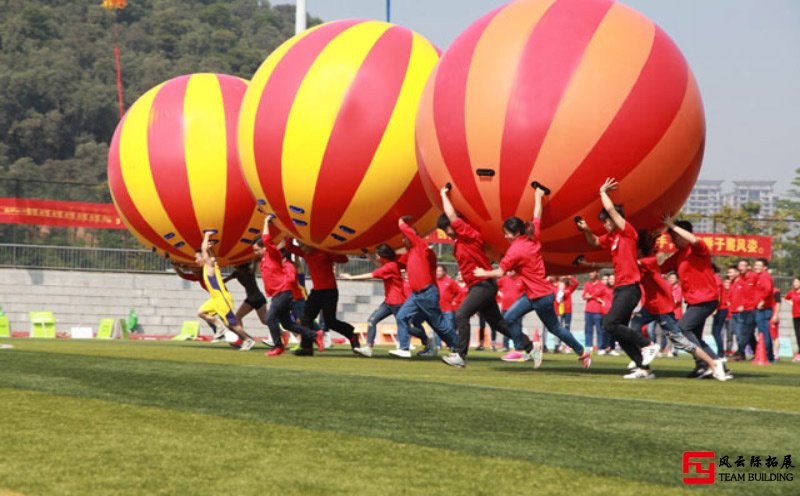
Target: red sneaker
586	359
320	340
275	351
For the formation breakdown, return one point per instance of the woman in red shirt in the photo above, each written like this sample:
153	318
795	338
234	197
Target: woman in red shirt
721	315
525	258
793	295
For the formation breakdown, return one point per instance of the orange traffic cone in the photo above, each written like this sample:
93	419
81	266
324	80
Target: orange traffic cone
761	352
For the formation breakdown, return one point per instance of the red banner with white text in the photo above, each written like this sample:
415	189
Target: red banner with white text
59	213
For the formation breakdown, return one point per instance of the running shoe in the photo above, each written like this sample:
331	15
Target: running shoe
536	354
268	343
719	371
429	351
320	340
275	351
400	353
631	365
247	345
513	356
454	360
326	341
649	354
366	351
586	359
640	374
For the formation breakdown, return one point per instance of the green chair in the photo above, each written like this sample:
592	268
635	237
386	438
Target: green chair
5	331
189	331
43	324
106	329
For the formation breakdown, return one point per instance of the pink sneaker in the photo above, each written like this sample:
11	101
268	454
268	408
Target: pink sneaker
514	356
586	359
796	357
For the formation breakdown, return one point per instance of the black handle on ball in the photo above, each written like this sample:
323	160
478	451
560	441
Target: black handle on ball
578	219
538	185
448	187
578	260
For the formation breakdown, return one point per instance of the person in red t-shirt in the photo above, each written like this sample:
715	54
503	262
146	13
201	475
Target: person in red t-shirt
621	238
468	250
593	295
692	263
721	315
324	296
394	296
448	294
525	258
743	306
793	295
765	298
278	286
677	294
565	287
420	262
658	307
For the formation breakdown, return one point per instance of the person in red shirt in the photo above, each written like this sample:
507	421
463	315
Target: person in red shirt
658	307
692	263
765	297
621	238
468	250
566	286
448	293
420	262
525	258
774	325
793	295
509	289
743	306
721	315
394	296
278	286
593	293
324	296
677	294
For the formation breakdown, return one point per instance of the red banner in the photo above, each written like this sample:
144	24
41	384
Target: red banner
59	213
728	245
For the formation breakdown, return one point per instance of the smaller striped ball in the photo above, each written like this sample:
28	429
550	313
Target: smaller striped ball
326	134
173	169
567	93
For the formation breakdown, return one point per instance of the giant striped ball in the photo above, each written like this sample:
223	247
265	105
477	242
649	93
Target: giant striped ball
326	133
173	169
567	93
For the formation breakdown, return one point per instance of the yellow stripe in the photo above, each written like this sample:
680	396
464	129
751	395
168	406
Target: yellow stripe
490	84
594	96
394	164
205	149
135	166
316	107
249	108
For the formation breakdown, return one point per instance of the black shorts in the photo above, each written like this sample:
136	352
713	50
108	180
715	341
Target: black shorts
256	301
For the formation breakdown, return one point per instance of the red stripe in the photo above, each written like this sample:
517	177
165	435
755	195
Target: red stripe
640	124
359	129
165	146
449	107
552	54
123	200
239	203
413	202
276	101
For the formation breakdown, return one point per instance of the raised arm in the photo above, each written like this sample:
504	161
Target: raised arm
409	231
591	238
205	250
447	206
669	222
610	185
538	194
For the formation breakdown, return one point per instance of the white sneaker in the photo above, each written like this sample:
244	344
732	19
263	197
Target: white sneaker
649	354
400	353
640	374
718	371
631	365
268	343
364	351
454	360
613	353
248	343
536	354
219	334
326	340
601	352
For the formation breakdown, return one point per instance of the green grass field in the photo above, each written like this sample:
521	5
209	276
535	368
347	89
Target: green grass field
126	417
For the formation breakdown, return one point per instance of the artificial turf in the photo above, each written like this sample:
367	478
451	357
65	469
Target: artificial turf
117	417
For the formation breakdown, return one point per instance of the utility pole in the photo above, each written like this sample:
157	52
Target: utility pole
300	17
388	10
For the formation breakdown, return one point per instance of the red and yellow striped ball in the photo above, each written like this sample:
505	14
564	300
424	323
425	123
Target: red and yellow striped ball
173	169
567	93
326	133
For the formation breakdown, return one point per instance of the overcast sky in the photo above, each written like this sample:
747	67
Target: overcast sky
745	55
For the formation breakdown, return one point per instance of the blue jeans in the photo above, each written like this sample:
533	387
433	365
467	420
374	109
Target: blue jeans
763	317
450	318
424	303
544	310
384	310
669	324
592	320
744	324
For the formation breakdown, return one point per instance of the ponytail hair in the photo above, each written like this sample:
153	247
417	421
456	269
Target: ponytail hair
518	227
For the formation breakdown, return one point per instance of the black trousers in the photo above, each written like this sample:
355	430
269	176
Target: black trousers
280	311
692	323
615	322
325	300
480	299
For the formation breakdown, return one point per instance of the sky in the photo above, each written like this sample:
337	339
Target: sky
745	55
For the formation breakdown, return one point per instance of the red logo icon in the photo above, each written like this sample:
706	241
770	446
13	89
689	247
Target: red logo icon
695	470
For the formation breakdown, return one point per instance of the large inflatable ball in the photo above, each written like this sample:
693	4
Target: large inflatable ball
173	169
326	133
566	93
